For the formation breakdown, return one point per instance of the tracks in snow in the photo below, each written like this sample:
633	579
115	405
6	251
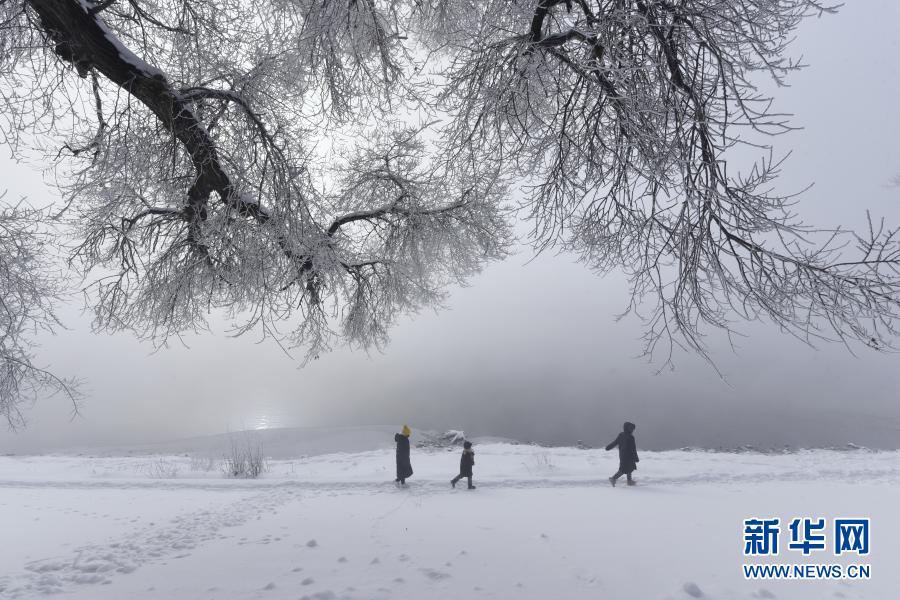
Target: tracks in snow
101	563
98	564
872	475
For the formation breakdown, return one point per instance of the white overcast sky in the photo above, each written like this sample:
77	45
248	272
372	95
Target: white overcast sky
533	351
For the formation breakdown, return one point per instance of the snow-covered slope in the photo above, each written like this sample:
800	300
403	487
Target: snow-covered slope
543	523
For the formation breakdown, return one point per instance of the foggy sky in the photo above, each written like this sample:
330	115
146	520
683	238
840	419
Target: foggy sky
533	351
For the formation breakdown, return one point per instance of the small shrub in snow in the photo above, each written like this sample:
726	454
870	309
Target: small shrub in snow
245	458
203	464
540	462
162	468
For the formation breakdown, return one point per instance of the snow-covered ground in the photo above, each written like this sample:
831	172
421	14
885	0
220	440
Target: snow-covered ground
543	524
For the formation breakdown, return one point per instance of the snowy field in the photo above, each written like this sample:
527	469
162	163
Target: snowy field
543	524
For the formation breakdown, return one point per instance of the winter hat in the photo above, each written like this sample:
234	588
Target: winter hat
467	445
628	427
406	431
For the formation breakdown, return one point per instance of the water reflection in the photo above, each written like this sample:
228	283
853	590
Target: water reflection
264	417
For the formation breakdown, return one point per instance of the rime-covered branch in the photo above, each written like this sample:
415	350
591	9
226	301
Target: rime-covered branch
621	117
202	151
200	194
29	288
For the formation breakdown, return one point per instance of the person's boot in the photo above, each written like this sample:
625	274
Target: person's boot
632	482
453	482
612	480
471	487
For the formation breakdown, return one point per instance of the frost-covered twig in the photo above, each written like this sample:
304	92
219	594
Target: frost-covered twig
621	118
199	193
29	288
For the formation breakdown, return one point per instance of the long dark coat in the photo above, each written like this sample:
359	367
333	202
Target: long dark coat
466	462
404	467
628	457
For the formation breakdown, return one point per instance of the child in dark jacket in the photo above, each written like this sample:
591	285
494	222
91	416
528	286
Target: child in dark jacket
466	462
628	457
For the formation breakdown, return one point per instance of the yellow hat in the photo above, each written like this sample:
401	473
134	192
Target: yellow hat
406	430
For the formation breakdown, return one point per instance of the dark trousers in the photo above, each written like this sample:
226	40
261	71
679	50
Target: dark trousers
620	473
460	476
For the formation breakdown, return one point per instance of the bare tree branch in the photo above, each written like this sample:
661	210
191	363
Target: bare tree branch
209	168
621	117
198	194
29	288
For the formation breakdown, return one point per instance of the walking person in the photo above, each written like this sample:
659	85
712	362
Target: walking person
466	462
628	457
404	467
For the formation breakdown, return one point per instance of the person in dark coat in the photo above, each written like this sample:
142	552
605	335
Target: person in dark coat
628	457
404	467
466	462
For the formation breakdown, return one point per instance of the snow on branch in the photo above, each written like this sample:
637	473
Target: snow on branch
621	119
198	194
195	144
29	289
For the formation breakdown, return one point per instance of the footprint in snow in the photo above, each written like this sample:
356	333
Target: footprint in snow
763	593
692	589
375	561
435	575
326	595
270	586
308	581
312	544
